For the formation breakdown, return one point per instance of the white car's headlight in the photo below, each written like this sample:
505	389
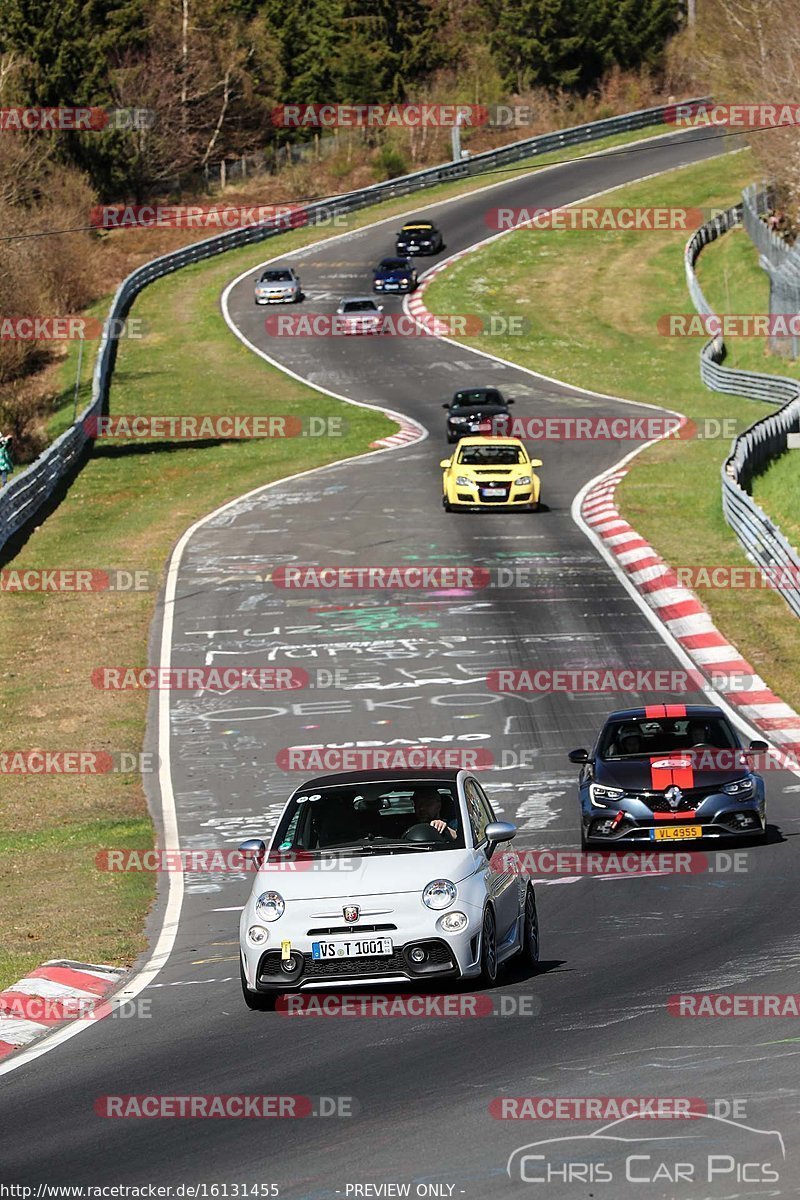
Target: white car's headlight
270	906
452	922
598	793
462	481
257	934
439	894
523	481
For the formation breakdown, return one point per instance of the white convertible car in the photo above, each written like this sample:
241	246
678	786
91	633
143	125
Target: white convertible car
383	878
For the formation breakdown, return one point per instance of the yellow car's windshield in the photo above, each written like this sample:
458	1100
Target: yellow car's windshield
491	456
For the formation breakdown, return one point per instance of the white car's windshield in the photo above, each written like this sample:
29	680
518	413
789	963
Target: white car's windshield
360	306
373	817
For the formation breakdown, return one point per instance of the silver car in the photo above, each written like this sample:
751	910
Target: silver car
359	314
278	285
412	850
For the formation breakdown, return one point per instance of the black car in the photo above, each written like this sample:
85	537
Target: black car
419	237
669	773
478	410
394	275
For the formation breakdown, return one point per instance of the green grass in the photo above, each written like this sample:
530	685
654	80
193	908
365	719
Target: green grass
592	301
744	288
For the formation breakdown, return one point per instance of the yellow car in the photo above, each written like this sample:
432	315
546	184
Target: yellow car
490	471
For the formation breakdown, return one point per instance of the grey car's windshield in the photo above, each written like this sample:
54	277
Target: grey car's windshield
375	816
277	277
640	737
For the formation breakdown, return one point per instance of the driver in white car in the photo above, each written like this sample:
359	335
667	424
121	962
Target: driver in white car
428	808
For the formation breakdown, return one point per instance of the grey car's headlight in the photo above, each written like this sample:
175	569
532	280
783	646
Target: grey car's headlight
462	481
739	787
523	481
439	894
270	906
598	793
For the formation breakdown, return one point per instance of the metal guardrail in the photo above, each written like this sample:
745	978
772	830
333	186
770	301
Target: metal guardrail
25	495
764	441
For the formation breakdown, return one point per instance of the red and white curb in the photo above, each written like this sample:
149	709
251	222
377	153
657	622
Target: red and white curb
415	305
677	607
408	432
55	982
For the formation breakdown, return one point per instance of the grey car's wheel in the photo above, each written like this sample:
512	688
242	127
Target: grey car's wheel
530	930
488	950
257	1001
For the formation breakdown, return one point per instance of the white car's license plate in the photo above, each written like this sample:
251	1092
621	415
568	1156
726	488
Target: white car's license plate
353	948
493	491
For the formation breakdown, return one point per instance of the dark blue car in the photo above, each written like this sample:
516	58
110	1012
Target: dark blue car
669	773
394	275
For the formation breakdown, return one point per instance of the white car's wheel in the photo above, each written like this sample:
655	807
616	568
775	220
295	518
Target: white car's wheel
489	949
529	952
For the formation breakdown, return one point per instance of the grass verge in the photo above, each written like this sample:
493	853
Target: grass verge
744	288
592	301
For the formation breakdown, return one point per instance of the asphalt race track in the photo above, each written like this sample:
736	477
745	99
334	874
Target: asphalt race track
413	666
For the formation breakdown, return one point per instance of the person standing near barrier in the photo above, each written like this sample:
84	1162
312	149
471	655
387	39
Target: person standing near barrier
6	465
